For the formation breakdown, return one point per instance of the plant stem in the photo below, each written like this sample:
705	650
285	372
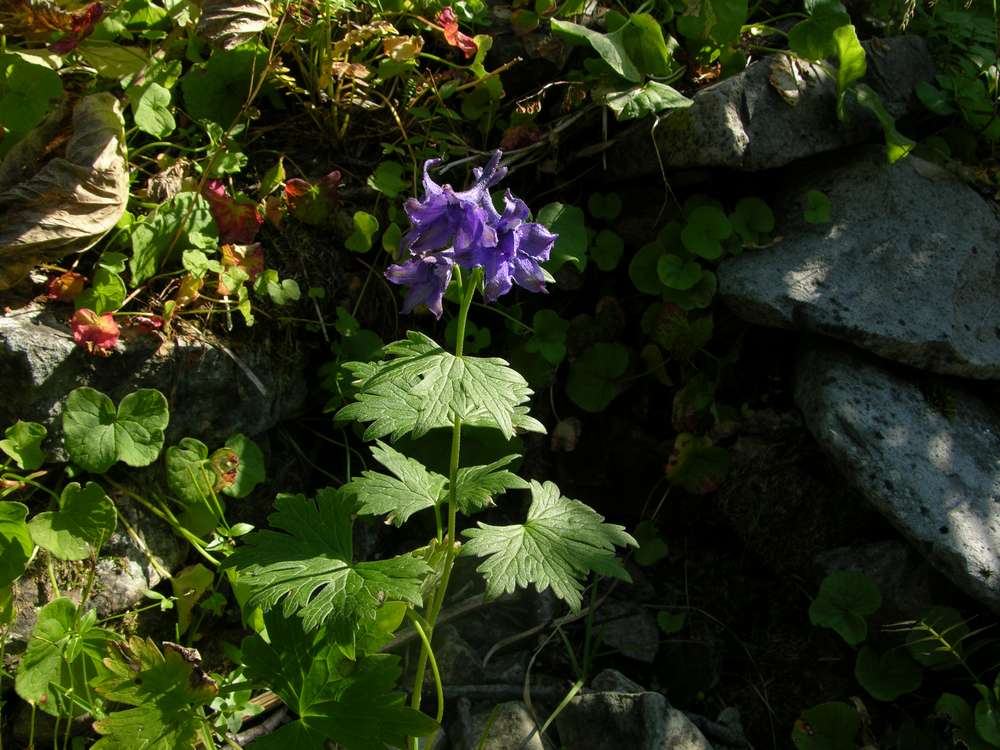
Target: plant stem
437	598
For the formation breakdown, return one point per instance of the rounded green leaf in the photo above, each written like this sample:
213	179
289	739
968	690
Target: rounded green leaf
818	210
696	465
605	206
828	726
569	223
152	111
388	179
706	227
608	249
142	417
678	273
23	443
96	435
250	471
845	599
89	429
189	472
28	89
988	723
84	521
751	219
643	270
652	548
365	227
549	337
15	541
592	378
697	297
889	675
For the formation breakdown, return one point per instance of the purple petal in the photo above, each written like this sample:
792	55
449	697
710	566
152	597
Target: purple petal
528	274
535	240
431	188
427	277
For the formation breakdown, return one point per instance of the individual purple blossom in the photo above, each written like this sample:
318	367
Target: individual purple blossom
445	218
521	248
427	277
464	227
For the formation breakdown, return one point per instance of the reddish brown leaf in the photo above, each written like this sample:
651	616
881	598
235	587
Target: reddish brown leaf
65	287
98	334
81	27
237	218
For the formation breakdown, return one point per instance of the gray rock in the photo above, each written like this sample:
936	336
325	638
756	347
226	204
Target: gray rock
926	455
901	575
508	726
630	630
612	721
909	268
744	123
212	393
124	571
613	681
457	661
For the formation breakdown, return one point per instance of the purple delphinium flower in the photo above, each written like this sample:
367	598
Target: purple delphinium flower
464	227
521	248
427	277
445	217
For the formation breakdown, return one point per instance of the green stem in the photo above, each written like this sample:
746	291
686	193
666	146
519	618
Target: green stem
437	600
439	688
169	519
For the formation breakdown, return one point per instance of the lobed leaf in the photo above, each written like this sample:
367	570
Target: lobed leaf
85	520
307	567
423	387
561	541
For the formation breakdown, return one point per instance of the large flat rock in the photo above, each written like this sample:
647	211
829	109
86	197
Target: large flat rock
744	123
923	450
909	268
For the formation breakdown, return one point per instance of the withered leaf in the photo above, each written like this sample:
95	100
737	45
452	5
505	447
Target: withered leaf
73	200
229	24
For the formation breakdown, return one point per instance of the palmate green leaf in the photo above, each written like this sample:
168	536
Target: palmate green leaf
355	705
84	521
63	656
561	541
475	486
15	541
97	435
648	98
23	443
307	567
424	387
168	691
182	223
251	470
411	487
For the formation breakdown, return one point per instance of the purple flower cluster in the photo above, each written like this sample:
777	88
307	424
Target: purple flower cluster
451	227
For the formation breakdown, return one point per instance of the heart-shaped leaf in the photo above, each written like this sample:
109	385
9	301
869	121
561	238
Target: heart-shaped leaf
608	250
706	227
845	599
250	472
817	208
678	273
604	206
751	219
696	465
97	435
889	675
365	228
15	541
593	377
23	443
569	224
85	520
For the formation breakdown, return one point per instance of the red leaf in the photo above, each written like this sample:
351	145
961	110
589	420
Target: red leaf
250	258
81	27
312	203
449	25
98	334
237	218
65	287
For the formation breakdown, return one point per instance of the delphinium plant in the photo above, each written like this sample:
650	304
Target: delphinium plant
340	613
